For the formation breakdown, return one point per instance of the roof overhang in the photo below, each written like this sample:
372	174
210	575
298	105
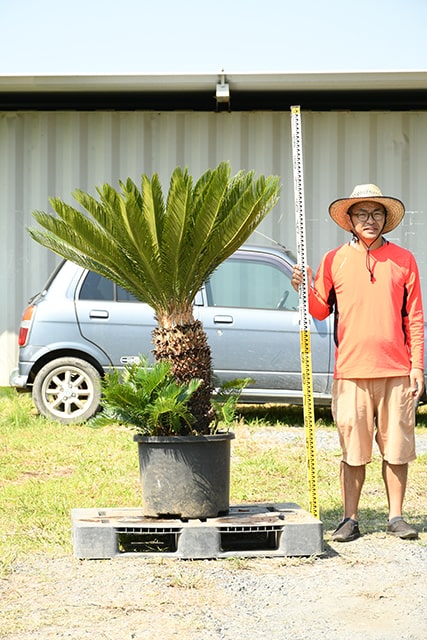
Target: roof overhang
301	81
322	90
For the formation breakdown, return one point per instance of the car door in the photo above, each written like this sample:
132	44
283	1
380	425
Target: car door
252	321
113	319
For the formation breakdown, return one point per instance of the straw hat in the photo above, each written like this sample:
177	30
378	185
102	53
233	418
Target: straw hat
395	209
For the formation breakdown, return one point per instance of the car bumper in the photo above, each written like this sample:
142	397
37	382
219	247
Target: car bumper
18	380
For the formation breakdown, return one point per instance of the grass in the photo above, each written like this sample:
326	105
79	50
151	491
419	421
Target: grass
48	469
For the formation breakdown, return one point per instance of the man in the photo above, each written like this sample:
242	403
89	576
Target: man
373	288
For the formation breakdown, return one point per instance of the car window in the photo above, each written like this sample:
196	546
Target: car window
252	284
123	295
96	287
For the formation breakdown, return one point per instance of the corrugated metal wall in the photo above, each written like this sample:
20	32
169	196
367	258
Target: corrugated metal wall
51	153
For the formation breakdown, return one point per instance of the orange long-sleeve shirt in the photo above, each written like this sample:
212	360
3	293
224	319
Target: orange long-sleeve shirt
379	323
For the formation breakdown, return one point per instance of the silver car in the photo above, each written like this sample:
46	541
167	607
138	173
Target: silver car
81	324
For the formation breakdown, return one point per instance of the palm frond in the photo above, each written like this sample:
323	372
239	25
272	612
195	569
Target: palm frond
242	211
174	241
147	399
206	208
162	253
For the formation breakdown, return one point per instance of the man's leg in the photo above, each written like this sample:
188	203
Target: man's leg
352	479
395	477
354	416
396	440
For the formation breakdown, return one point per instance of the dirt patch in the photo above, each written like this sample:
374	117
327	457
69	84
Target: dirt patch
374	588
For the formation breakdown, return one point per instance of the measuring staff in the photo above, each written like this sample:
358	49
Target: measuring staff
306	367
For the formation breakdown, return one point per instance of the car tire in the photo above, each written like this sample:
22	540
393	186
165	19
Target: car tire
67	390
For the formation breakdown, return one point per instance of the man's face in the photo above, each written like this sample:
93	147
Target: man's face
368	219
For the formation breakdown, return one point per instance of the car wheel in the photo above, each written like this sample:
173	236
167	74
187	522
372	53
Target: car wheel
67	390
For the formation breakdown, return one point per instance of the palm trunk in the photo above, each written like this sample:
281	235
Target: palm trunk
187	348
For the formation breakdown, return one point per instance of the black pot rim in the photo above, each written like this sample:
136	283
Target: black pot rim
221	435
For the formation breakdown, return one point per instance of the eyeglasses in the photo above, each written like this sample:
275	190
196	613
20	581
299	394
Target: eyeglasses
363	216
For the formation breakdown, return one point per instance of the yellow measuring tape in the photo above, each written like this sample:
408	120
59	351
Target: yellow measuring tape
305	341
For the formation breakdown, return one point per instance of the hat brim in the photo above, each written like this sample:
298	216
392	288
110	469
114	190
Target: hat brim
338	210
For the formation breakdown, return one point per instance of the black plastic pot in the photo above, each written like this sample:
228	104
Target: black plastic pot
185	476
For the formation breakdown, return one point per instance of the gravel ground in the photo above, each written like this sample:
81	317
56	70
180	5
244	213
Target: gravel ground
374	588
325	438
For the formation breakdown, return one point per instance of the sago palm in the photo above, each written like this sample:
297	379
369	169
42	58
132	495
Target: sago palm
163	251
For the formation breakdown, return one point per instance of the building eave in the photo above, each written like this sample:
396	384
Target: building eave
271	82
356	90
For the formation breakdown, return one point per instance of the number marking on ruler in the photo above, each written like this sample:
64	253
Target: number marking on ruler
305	341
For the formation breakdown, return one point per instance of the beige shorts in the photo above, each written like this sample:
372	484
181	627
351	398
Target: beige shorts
383	408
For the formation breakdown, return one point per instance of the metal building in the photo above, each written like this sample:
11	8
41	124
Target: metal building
61	133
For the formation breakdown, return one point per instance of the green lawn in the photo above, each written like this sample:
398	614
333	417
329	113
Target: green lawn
48	469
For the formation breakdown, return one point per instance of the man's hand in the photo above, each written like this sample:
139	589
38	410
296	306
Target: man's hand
417	383
296	279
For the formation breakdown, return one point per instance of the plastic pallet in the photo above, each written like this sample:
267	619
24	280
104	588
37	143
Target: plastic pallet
247	530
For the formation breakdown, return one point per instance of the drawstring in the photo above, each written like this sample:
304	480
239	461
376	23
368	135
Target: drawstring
368	263
368	250
368	259
368	254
